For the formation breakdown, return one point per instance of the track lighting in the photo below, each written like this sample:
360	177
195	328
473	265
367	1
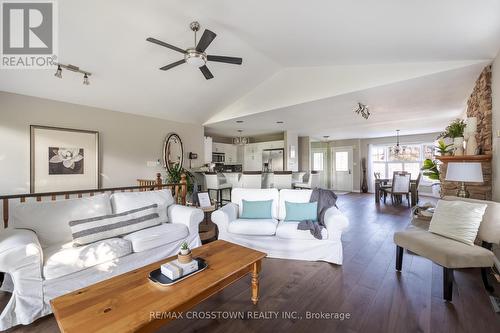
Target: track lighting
58	73
75	69
86	79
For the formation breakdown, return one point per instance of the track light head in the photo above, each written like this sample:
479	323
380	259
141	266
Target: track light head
58	72
86	79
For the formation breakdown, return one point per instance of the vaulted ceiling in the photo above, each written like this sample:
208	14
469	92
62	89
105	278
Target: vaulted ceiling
302	62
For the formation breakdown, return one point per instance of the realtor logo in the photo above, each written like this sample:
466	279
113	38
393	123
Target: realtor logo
28	34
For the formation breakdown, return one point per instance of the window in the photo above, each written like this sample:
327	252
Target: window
341	161
410	159
318	161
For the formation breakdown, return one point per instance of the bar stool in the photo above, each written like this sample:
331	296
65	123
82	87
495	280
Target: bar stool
212	184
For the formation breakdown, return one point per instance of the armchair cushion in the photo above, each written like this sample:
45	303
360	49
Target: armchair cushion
188	216
253	227
64	259
457	220
162	234
444	251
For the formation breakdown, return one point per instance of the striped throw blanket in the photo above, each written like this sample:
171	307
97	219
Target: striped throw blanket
93	229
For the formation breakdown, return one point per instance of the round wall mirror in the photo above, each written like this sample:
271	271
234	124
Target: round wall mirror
173	153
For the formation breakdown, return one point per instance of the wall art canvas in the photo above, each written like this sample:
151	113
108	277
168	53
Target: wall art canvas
63	159
66	161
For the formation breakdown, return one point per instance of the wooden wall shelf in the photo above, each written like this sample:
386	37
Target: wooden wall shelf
465	158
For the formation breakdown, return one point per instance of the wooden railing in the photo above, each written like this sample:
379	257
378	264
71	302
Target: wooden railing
179	192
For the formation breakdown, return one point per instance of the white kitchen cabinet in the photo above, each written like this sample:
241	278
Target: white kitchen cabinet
230	152
218	147
207	156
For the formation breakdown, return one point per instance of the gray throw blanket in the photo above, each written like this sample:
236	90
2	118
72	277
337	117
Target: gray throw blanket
326	199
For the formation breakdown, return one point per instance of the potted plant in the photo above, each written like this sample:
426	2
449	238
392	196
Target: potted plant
430	170
184	248
455	131
444	149
174	177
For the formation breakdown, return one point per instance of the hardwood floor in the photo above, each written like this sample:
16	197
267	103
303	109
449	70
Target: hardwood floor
366	286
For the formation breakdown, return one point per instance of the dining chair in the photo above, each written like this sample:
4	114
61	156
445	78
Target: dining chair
212	184
400	186
232	178
282	179
298	177
251	179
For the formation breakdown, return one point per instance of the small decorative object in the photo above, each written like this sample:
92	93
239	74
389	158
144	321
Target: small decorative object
176	269
470	136
443	148
363	110
464	173
63	159
455	131
364	184
184	255
204	200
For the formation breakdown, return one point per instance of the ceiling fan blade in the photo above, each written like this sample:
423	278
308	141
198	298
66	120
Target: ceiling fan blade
206	72
172	65
159	42
205	40
228	60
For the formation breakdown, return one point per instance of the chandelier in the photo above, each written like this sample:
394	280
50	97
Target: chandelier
240	140
363	110
398	150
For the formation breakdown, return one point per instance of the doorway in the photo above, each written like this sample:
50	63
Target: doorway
320	163
342	171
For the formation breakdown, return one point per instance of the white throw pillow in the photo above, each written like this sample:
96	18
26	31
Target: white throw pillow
458	220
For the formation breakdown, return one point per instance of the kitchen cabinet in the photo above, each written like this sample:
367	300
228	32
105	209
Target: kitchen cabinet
252	157
230	152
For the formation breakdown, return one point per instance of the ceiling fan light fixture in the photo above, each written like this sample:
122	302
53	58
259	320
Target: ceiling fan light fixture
195	58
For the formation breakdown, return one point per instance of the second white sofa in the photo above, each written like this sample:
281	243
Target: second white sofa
276	237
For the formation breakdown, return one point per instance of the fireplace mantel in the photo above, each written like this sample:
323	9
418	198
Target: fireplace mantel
464	158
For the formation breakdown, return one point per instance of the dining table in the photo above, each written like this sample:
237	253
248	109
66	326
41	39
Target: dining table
381	182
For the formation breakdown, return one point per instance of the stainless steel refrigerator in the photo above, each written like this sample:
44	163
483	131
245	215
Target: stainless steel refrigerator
273	160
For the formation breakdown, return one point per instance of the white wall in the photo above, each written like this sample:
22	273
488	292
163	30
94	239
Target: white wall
291	139
495	89
127	141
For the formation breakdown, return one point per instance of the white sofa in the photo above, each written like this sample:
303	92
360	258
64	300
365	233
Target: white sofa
277	238
41	263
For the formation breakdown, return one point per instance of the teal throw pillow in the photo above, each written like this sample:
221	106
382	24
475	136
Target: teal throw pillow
301	211
257	209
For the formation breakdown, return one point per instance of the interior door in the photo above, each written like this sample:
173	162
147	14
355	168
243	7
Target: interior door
320	163
342	169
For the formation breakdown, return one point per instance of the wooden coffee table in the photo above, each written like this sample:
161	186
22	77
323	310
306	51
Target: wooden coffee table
127	302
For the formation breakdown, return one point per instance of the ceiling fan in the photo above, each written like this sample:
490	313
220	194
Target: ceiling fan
196	56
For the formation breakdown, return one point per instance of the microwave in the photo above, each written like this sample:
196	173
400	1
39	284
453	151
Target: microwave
218	157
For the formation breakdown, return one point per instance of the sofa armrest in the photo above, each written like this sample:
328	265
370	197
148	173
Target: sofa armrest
20	248
336	222
189	216
21	257
224	215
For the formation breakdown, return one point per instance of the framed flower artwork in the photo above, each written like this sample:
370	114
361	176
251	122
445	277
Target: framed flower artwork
63	159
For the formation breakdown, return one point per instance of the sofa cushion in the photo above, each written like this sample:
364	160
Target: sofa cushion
254	227
256	209
288	230
291	196
301	211
124	201
108	226
458	220
49	219
253	194
64	259
443	251
149	238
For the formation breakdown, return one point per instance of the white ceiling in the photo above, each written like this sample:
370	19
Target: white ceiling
278	40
